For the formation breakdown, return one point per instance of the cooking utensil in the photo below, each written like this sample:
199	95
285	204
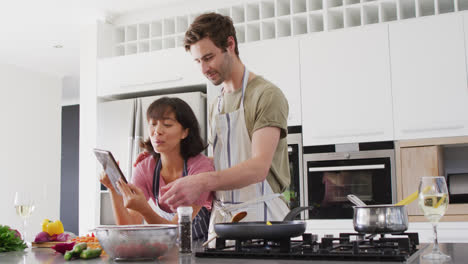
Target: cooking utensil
259	229
355	200
136	241
236	218
408	199
380	219
239	216
412	197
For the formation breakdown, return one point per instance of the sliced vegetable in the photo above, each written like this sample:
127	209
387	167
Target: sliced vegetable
63	237
63	247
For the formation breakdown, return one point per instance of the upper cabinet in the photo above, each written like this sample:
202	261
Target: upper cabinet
148	71
429	77
345	86
278	62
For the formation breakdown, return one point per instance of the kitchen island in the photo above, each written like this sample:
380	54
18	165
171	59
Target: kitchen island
458	252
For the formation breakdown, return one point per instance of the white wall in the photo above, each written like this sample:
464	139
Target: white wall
70	90
30	145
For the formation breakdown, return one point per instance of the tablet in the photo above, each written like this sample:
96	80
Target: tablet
110	166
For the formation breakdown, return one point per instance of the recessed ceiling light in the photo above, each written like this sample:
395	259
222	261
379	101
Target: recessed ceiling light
58	46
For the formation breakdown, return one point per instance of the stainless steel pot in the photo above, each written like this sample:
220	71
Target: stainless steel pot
380	219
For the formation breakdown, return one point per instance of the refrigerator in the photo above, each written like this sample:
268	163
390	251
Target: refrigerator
122	124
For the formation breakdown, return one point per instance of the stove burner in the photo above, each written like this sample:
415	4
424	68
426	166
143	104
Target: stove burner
348	246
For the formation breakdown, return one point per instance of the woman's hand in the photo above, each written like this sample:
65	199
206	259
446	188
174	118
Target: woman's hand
104	179
133	197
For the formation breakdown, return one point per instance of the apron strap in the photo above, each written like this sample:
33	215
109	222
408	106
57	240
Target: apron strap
156	177
245	80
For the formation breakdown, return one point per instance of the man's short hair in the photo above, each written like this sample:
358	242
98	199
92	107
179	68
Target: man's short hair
214	26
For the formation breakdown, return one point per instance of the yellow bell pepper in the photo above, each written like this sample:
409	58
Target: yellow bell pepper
52	228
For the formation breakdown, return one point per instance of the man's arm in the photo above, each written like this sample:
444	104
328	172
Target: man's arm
185	191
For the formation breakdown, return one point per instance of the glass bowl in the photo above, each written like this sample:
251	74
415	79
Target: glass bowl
136	241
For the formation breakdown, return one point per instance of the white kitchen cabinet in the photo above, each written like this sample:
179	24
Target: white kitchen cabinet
429	84
147	71
277	61
345	86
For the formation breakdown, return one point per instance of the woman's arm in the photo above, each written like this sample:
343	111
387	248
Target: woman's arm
134	199
122	215
151	217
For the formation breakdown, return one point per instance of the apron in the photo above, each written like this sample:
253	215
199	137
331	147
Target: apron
231	146
200	222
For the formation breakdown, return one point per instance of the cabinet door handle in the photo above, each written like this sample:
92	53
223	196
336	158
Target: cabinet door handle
173	79
348	168
434	128
354	134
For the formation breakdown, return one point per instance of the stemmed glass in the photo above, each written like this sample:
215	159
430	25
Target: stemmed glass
433	201
24	205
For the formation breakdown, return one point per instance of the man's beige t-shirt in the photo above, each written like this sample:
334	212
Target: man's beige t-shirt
264	106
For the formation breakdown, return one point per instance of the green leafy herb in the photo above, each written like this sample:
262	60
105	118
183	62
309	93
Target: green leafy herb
9	240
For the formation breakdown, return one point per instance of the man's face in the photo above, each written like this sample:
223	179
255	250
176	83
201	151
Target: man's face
214	63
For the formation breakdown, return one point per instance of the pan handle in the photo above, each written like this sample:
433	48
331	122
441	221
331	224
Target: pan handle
294	212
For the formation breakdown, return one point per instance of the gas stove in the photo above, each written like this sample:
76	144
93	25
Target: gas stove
347	246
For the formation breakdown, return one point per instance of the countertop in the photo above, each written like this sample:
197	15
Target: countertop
458	251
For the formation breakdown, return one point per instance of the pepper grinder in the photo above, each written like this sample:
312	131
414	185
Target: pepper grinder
185	228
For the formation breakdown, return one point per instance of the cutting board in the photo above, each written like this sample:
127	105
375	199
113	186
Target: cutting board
47	244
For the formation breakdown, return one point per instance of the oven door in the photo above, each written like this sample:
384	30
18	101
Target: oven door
294	194
330	178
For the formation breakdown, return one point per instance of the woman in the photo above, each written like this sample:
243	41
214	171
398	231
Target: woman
175	146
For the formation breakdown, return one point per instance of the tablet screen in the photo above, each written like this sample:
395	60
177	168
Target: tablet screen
110	166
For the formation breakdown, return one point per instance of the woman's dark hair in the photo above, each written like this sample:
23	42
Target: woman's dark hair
190	146
214	26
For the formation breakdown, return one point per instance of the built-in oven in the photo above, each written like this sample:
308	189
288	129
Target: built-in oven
294	194
331	172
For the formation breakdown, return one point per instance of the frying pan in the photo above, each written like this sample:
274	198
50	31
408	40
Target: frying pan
259	229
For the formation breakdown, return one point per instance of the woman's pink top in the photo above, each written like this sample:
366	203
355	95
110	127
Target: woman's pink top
143	178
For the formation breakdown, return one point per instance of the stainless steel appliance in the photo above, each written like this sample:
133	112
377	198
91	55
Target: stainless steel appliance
331	172
294	193
347	247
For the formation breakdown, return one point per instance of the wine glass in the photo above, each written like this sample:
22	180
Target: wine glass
433	201
24	205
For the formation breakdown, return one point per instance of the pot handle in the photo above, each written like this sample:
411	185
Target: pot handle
294	212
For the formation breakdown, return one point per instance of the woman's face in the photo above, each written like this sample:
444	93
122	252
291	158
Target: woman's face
166	133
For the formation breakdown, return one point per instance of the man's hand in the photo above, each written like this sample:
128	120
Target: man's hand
184	191
141	157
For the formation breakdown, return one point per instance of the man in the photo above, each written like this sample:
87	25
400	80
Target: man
248	124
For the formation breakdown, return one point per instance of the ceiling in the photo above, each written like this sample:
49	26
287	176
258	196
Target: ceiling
29	30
